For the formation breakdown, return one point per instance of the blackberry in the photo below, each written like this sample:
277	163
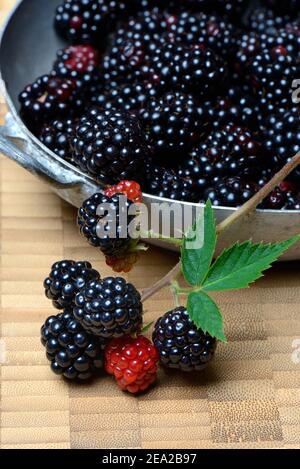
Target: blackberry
128	97
172	124
228	152
110	145
231	192
47	98
86	21
66	279
109	308
192	68
180	344
273	73
80	63
212	32
263	20
105	230
57	135
167	183
73	352
281	137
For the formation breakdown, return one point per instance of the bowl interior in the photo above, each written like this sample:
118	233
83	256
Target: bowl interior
28	46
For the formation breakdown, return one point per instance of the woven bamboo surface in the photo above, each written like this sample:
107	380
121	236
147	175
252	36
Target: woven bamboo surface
249	396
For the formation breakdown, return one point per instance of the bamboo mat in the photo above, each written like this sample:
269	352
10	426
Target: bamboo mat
249	396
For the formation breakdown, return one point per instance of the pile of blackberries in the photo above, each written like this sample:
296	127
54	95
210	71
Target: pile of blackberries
100	326
191	99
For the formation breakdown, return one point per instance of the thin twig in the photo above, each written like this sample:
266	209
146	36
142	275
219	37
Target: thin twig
244	210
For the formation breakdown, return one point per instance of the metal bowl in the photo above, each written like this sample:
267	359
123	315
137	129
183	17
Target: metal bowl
27	48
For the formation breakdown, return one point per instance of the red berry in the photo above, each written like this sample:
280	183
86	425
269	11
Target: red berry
123	264
133	362
81	58
130	188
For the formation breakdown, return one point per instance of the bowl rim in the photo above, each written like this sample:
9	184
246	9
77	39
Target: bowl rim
85	177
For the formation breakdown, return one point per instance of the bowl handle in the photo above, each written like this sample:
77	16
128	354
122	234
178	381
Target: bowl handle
15	144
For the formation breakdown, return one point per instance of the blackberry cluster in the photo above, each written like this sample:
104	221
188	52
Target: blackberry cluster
66	279
73	352
180	344
109	308
105	230
110	145
164	92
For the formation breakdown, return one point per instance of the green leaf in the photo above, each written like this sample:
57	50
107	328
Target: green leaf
198	247
243	263
204	312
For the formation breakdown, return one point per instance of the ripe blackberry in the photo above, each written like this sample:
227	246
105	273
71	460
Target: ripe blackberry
167	183
49	97
107	229
109	308
228	152
212	32
57	135
128	97
66	279
231	192
133	362
272	73
180	344
263	20
73	352
172	124
127	59
281	137
110	145
193	68
85	21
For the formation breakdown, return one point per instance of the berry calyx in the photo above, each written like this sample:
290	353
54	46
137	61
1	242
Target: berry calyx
133	362
129	188
123	264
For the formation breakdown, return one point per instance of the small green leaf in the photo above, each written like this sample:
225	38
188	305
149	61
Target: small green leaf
204	312
198	247
243	263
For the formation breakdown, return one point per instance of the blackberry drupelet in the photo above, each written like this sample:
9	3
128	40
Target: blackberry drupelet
168	183
110	145
66	279
73	352
87	21
180	344
57	135
49	97
172	124
109	308
192	68
104	229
